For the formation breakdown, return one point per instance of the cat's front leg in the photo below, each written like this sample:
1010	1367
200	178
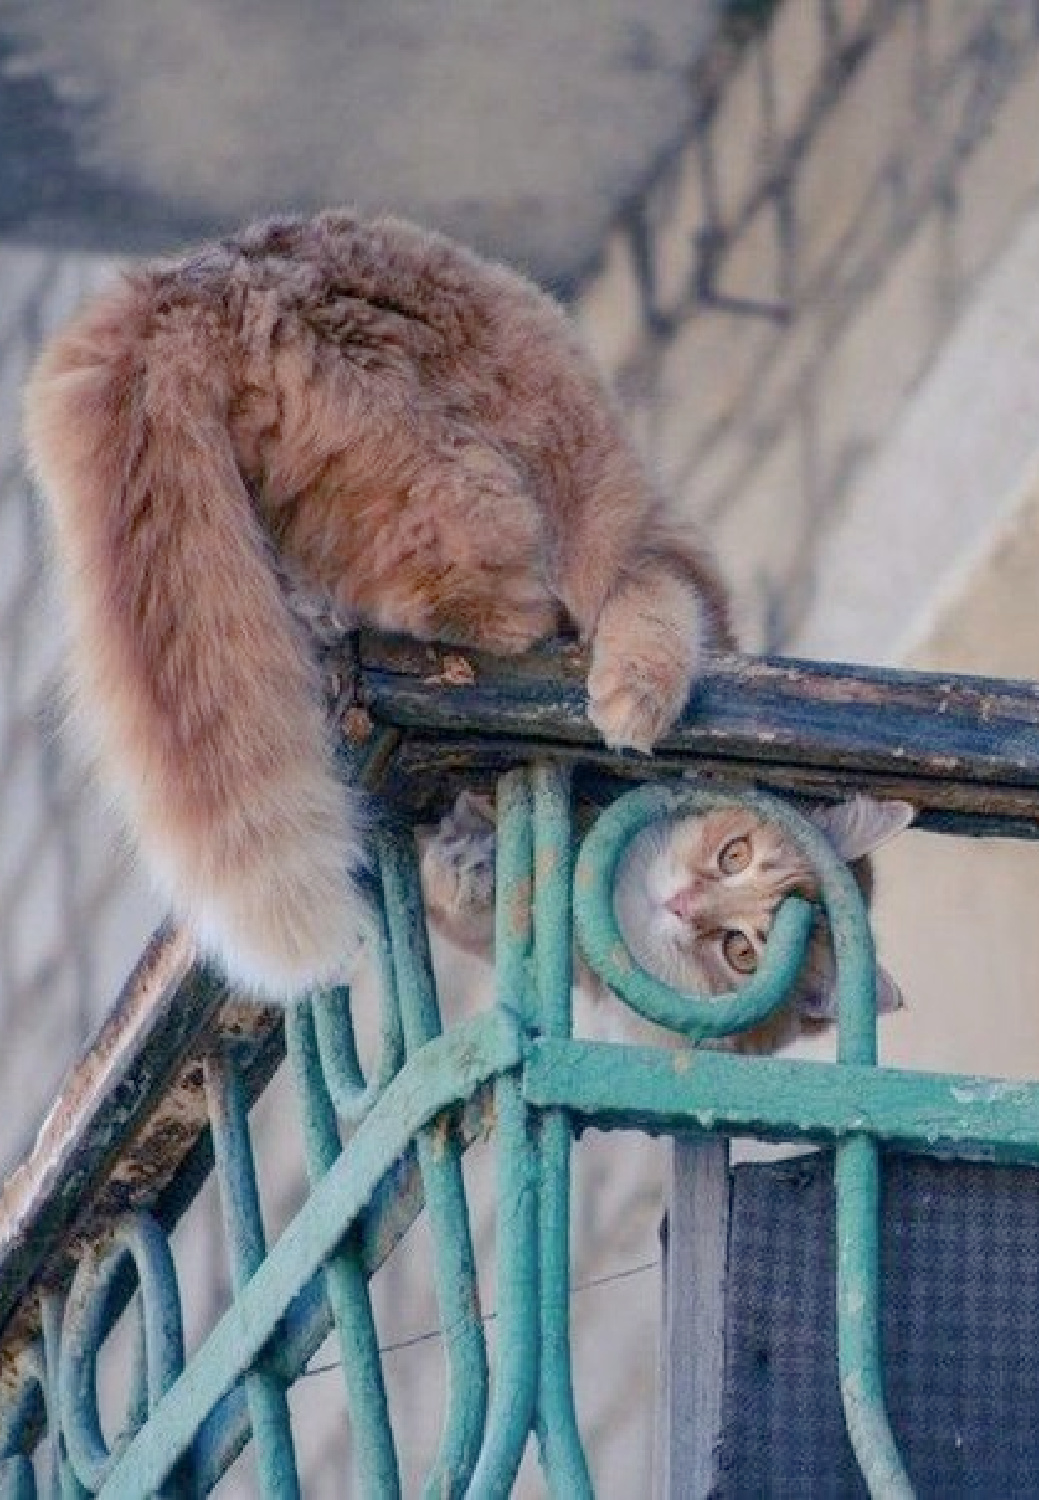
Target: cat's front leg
457	864
646	652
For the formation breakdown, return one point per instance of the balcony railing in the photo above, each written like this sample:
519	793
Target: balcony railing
162	1098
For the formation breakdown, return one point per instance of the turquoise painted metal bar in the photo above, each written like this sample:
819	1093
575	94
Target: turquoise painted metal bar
395	1205
17	1481
657	1090
246	1242
350	1092
16	1426
447	1072
346	1285
440	1163
562	1453
857	1184
85	1324
857	1178
61	1479
514	1396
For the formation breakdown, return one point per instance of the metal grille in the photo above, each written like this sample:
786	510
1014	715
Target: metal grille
385	1144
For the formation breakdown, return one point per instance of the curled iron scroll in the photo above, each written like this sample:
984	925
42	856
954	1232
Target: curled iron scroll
700	1016
159	1351
353	1094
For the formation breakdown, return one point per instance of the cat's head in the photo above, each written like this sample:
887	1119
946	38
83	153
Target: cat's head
695	898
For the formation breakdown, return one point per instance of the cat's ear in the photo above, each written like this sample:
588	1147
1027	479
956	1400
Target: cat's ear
818	1001
817	998
472	813
859	826
889	996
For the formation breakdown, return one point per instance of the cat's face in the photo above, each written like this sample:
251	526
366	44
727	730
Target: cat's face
696	896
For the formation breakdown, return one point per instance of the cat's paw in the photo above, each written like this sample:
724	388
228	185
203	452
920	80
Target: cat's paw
631	704
642	669
458	862
646	652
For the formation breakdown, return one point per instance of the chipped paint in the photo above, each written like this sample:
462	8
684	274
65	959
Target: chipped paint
546	862
990	1091
455	671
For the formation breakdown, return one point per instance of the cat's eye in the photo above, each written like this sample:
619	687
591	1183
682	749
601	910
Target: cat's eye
734	856
740	953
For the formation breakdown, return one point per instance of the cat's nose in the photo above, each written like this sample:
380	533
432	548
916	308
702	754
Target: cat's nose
686	902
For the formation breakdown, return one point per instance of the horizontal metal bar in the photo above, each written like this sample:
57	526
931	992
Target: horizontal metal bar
426	775
978	736
658	1090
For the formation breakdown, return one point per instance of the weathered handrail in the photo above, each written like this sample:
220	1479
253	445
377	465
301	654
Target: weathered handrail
964	750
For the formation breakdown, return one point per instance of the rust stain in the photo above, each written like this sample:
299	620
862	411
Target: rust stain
517	907
547	861
357	725
487	1122
441	1136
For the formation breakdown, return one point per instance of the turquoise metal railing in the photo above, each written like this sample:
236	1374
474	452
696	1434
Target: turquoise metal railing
381	1145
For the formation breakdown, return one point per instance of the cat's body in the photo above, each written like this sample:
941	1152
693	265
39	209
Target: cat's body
398	427
695	897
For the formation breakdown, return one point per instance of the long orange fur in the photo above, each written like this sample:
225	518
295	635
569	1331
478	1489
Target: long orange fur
411	431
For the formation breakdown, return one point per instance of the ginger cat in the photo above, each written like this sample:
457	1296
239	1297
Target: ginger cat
374	416
694	898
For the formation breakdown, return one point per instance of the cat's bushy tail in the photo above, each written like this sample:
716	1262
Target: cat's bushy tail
189	670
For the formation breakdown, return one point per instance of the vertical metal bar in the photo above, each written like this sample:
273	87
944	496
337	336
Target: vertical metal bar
440	1164
246	1244
60	1482
857	1186
17	1479
375	1456
858	1319
695	1259
514	1396
562	1454
351	1093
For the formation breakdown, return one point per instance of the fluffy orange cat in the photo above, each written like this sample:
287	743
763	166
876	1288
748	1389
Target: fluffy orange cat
402	429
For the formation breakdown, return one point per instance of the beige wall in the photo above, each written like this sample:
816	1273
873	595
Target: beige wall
959	918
